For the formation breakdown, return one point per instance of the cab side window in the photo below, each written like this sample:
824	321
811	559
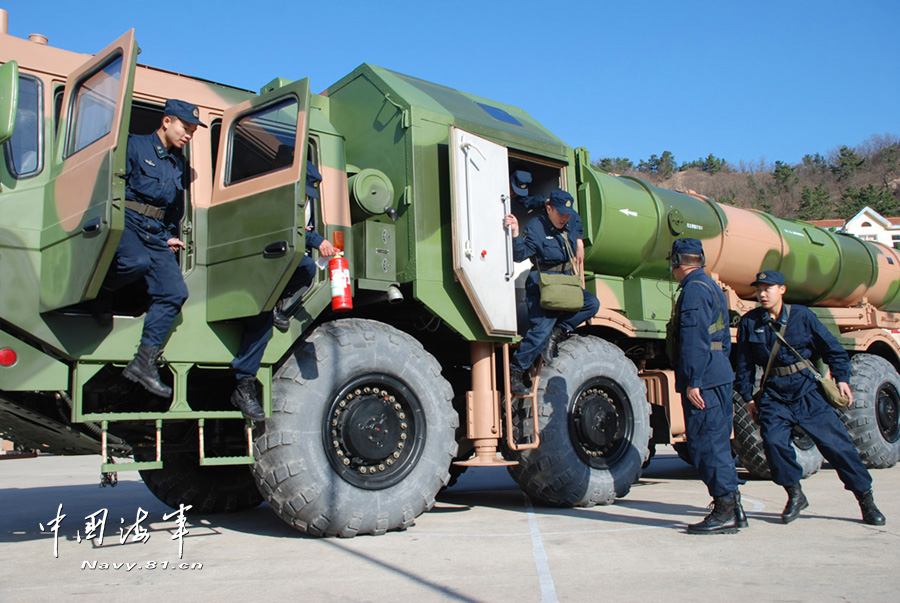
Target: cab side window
263	141
24	155
93	107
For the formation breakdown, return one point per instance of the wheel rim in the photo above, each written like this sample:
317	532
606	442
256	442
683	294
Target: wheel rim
601	423
801	439
374	431
887	410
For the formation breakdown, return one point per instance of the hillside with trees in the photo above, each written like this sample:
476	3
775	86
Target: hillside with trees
835	185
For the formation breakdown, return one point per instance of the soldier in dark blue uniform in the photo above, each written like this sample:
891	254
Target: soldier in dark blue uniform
258	329
543	243
154	206
703	377
791	395
518	190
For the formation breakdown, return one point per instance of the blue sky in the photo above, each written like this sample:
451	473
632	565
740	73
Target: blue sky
749	81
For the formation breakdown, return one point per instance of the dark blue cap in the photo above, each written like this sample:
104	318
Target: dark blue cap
313	177
562	202
769	277
520	179
686	246
184	111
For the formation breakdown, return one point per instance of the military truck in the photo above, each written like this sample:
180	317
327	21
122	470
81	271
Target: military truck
372	411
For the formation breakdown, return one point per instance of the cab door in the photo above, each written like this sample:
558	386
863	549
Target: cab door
255	221
83	203
482	247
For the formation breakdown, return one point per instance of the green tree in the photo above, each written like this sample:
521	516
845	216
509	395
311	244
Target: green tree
618	165
784	177
814	204
879	198
814	164
848	163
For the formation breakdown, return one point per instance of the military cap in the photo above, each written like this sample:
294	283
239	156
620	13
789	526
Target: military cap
562	202
686	246
520	179
769	277
184	111
313	177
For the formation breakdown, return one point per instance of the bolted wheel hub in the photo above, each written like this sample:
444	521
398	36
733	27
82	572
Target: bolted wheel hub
600	423
888	413
371	432
597	421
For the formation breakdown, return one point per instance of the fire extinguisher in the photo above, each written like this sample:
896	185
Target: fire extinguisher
339	272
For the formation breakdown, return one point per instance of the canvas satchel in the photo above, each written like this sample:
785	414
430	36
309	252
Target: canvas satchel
561	292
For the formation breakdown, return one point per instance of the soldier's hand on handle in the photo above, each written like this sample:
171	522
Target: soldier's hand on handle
844	388
511	222
693	394
326	249
579	256
174	244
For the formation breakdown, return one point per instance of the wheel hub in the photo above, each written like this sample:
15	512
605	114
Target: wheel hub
370	432
888	413
596	420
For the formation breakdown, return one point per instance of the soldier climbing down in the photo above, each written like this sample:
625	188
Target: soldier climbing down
548	242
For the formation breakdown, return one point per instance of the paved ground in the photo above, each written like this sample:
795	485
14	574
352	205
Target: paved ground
482	542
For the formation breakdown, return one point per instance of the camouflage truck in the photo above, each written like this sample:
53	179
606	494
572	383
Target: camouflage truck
370	412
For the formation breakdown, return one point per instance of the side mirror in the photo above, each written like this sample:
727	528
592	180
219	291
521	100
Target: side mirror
9	99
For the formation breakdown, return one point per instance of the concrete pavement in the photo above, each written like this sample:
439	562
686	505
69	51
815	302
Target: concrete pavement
483	541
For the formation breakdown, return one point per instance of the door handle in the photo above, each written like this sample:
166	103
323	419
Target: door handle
275	250
92	227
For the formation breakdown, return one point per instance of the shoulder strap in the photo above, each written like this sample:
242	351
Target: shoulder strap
783	341
719	324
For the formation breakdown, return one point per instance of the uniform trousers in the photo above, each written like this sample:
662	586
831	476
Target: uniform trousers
709	439
820	421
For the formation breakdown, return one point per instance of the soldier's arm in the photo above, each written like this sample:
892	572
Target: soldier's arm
745	368
827	346
696	316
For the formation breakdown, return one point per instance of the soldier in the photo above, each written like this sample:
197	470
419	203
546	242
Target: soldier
258	329
154	206
518	190
790	396
543	243
703	377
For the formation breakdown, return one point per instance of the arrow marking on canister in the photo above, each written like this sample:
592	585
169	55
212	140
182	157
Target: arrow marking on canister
628	212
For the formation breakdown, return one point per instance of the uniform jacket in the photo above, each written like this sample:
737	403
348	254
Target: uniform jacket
806	333
541	241
153	176
698	305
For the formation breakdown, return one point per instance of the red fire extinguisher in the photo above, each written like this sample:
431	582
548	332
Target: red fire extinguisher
339	272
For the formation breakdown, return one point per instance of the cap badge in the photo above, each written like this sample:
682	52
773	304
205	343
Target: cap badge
196	113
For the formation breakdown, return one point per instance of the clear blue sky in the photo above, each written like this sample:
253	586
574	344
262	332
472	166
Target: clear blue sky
750	80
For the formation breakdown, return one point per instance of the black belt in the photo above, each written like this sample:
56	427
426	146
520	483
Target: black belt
151	211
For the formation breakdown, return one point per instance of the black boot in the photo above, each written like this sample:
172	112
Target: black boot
244	397
142	369
281	320
871	514
722	520
796	502
517	383
739	516
551	350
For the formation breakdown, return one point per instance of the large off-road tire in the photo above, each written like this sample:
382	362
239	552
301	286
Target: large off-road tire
361	434
874	419
594	423
212	489
748	445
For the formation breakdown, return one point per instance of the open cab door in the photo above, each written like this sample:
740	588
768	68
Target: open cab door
255	222
9	99
482	246
83	204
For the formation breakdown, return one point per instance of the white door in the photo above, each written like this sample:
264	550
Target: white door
482	247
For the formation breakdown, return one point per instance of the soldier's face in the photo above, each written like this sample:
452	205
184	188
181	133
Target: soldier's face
559	220
769	296
176	133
